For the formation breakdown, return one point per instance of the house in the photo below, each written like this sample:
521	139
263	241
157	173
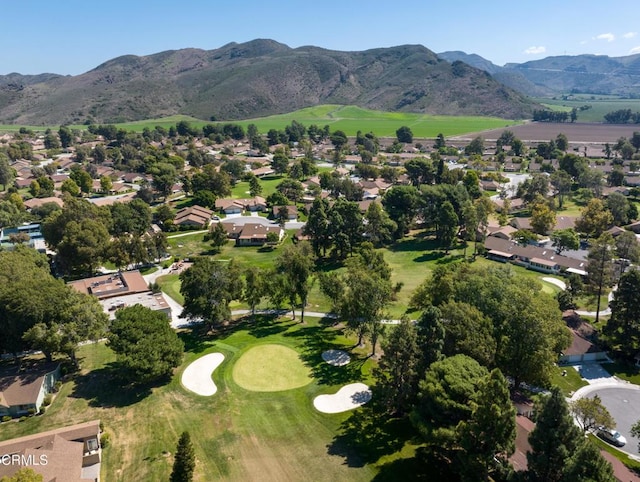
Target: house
193	216
237	206
581	350
544	260
515	204
292	212
504	232
263	171
67	454
254	234
23	388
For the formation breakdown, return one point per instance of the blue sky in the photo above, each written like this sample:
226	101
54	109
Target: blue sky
72	37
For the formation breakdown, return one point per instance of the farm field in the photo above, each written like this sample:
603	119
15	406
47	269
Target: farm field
600	105
577	132
237	434
350	119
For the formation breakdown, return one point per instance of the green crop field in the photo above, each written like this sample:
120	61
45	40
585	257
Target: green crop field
600	105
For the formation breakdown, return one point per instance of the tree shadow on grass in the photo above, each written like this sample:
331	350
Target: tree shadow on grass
194	340
105	388
318	339
265	324
368	435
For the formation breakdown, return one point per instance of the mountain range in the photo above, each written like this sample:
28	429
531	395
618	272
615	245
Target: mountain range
264	77
566	74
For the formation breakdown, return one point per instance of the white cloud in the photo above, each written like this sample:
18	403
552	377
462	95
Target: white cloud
635	50
609	37
535	50
630	34
584	42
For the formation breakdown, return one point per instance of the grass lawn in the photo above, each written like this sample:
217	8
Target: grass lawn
268	183
237	434
569	383
271	368
170	285
626	371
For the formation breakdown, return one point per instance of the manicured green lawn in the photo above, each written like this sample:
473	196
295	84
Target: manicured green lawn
170	284
569	383
238	435
270	368
268	183
626	371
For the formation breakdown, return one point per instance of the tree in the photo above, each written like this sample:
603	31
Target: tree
66	136
282	216
553	441
70	186
543	219
146	346
208	287
600	268
83	179
397	371
447	225
6	172
618	205
565	239
627	250
594	219
106	184
440	142
379	227
467	331
291	189
590	413
296	264
255	188
562	142
217	235
561	182
444	397
184	462
255	287
25	474
317	226
587	465
622	330
476	146
488	436
404	134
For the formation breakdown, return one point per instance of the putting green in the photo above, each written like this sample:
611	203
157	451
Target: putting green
271	368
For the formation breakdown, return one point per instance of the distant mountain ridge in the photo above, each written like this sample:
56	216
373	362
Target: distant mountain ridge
585	74
257	78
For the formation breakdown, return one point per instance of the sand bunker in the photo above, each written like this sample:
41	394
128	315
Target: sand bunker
197	376
336	358
347	398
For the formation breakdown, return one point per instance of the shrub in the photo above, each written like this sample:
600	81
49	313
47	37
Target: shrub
101	426
47	400
105	440
6	418
31	411
43	409
22	419
57	386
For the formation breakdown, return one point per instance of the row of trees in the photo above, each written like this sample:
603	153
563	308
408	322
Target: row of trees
83	235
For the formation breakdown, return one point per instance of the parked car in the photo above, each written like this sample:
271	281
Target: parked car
612	436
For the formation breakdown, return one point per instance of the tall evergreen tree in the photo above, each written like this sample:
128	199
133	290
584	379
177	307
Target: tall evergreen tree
554	440
185	460
490	432
623	328
588	465
397	371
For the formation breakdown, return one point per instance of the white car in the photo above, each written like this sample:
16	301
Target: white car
612	436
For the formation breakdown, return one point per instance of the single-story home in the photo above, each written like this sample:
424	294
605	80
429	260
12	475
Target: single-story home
23	387
581	350
67	454
193	216
254	234
292	212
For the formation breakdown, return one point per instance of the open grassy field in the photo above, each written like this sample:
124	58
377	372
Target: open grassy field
238	434
600	105
350	119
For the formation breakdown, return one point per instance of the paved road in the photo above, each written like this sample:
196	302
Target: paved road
623	404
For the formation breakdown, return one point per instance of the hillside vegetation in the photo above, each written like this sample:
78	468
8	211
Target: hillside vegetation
255	79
